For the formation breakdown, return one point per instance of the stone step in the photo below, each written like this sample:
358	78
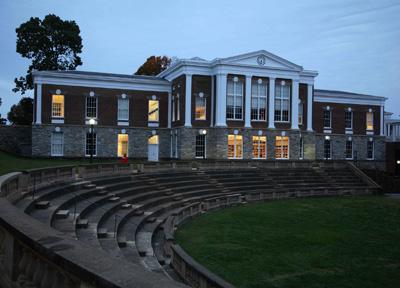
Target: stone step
82	223
42	204
89	186
102	233
101	192
121	241
126	206
151	219
114	199
138	212
62	214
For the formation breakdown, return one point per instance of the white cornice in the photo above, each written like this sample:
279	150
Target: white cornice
101	81
347	98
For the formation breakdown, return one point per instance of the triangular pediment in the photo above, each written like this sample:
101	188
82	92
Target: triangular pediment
261	58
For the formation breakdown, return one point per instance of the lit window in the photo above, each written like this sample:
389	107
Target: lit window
348	120
200	106
91	144
282	147
349	149
259	147
57	106
201	146
235	146
370	149
327	119
258	100
153	140
301	148
301	113
123	109
282	101
123	145
91	107
153	110
327	149
370	121
57	144
234	99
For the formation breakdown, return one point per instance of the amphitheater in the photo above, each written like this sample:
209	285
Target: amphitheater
112	225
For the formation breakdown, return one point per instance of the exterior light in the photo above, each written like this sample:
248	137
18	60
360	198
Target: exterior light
92	121
327	138
203	132
398	162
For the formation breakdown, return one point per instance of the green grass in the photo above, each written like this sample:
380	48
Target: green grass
10	163
320	242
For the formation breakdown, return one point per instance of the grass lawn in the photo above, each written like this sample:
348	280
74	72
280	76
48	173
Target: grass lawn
319	242
10	163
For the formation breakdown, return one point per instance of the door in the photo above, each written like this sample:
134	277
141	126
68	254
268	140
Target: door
152	145
122	145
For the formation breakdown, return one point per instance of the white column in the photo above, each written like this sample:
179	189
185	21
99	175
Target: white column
271	103
382	121
212	101
38	104
295	104
188	101
247	113
169	109
309	107
220	116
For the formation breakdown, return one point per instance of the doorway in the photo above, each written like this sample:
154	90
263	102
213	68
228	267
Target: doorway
152	145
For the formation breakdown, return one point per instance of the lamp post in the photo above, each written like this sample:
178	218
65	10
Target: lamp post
91	122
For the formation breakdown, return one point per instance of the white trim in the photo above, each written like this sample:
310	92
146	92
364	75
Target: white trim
271	103
188	100
382	116
347	98
123	123
220	120
169	109
212	102
38	103
295	105
153	124
248	102
57	121
309	106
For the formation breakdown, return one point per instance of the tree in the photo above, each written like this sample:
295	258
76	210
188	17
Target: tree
52	44
154	65
21	113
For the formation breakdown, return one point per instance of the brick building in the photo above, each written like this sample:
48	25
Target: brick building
251	106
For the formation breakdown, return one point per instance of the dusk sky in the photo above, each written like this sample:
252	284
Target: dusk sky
354	45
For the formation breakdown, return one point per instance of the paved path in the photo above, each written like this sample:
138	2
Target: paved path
393	195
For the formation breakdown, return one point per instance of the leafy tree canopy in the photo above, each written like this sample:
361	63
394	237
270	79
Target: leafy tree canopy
21	113
154	65
51	44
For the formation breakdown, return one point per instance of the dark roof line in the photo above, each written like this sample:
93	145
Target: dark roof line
105	74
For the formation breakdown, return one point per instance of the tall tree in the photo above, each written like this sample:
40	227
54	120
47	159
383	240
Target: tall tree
52	44
21	113
154	65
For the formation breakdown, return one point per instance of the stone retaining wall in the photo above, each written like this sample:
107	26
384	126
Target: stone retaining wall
16	139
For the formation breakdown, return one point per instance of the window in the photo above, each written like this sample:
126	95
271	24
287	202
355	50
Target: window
234	99
258	100
91	107
370	121
370	149
153	110
175	107
301	148
282	101
200	106
349	149
259	147
57	144
281	147
301	113
123	109
91	144
123	145
201	146
235	146
57	106
348	120
327	149
153	140
327	118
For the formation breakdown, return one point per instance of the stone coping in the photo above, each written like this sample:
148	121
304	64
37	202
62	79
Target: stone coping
89	264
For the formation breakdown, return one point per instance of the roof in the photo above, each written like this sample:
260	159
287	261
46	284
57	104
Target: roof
100	74
346	94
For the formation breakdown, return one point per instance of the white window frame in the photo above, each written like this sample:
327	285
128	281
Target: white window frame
235	152
281	98
373	149
86	143
123	109
235	95
203	98
62	109
258	143
205	147
301	113
52	144
281	154
259	96
97	107
351	120
330	119
352	149
157	111
372	120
